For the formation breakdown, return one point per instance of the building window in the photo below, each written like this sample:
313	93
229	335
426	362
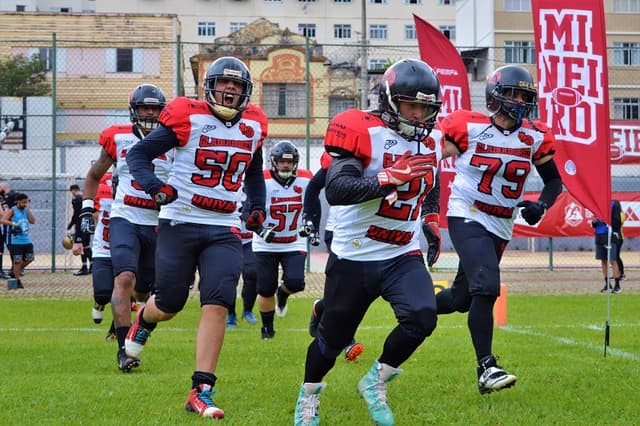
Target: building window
284	100
449	31
626	109
307	30
43	54
206	29
236	26
124	60
447	2
519	52
342	1
342	31
413	1
377	32
378	64
410	32
626	53
20	8
626	6
306	1
339	104
378	1
517	5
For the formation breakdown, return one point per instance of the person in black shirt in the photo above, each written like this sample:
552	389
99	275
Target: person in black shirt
79	236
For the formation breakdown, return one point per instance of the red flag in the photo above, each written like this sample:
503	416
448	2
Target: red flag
573	95
438	51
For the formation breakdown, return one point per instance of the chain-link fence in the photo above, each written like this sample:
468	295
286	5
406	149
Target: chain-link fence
53	139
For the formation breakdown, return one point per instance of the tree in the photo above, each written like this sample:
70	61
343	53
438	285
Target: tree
22	76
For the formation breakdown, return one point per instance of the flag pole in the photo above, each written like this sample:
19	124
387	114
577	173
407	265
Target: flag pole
607	329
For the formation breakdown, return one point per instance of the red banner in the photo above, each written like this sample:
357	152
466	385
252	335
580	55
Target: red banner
438	51
573	95
568	218
625	142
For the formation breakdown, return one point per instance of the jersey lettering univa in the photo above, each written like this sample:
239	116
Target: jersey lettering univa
210	161
492	168
284	214
102	203
131	202
377	229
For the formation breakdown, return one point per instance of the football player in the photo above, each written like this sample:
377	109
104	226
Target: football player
286	185
494	155
383	167
218	151
134	216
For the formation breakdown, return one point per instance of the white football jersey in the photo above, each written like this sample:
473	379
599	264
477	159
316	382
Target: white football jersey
284	214
492	168
377	229
102	203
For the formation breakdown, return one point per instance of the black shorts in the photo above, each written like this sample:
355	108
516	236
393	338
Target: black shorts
21	252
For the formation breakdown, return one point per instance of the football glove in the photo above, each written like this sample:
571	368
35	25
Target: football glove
431	230
87	224
532	211
266	234
164	195
307	228
407	168
254	221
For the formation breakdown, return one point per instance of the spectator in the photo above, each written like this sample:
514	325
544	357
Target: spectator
78	236
7	200
623	218
606	251
19	218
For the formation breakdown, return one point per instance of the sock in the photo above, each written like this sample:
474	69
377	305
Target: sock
617	280
282	298
146	325
203	377
121	335
267	319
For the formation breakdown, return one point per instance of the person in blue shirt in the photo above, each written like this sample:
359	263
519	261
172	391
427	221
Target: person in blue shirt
601	232
19	218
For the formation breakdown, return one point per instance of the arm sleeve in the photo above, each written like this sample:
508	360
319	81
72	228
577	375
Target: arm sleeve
345	184
312	206
552	183
139	158
431	202
254	183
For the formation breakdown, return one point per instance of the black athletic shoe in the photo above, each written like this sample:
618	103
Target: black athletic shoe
83	271
267	333
126	363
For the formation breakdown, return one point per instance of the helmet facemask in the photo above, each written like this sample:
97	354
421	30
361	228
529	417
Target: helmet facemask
411	129
508	105
146	95
226	110
284	151
146	124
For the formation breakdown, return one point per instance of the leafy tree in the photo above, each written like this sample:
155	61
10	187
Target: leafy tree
22	76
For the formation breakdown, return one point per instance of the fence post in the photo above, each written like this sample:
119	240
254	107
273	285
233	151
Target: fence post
54	183
550	254
307	119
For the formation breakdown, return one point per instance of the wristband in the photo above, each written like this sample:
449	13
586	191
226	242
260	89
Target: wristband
87	203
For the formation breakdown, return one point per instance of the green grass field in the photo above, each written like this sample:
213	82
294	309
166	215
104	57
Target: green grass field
56	368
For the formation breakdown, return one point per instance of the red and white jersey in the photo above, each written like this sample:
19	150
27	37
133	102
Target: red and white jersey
377	229
210	161
492	168
284	214
102	203
131	202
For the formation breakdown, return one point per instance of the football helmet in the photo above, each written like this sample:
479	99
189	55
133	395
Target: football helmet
146	95
284	150
500	90
227	68
409	80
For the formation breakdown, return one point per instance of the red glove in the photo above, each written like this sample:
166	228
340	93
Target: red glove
165	195
405	169
255	220
431	230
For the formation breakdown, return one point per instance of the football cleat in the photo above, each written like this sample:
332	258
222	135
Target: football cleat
281	302
127	363
136	337
353	351
267	333
231	321
491	377
249	317
97	312
373	389
306	412
200	402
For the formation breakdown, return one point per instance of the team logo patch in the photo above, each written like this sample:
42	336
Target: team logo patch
389	143
208	128
247	130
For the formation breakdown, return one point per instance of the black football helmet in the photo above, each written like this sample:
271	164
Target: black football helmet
499	92
409	80
227	68
146	95
284	150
